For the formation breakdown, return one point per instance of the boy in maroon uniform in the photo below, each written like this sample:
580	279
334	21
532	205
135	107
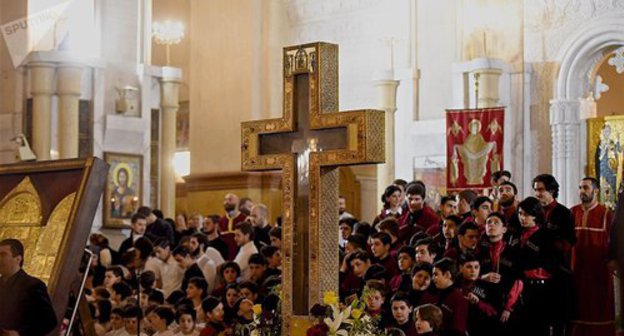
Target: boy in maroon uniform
450	299
484	298
406	259
467	241
402	315
498	262
380	246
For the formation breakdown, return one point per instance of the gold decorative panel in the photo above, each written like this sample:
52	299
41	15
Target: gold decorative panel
20	218
22	206
41	262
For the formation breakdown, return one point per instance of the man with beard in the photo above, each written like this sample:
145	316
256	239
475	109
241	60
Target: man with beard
228	222
497	178
559	231
232	215
259	218
214	239
508	204
592	264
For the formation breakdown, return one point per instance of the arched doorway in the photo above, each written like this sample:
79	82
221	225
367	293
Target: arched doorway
579	58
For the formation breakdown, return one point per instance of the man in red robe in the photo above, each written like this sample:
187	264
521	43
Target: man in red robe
228	222
591	264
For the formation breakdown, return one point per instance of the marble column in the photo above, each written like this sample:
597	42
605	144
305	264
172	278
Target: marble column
68	89
489	79
41	89
169	93
566	164
386	88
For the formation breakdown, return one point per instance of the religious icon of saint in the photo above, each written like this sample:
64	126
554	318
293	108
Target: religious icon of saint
123	198
608	164
474	154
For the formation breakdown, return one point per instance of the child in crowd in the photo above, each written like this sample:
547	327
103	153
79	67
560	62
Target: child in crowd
197	291
213	309
402	314
449	298
160	318
406	260
232	294
132	316
186	319
421	280
230	272
428	319
116	322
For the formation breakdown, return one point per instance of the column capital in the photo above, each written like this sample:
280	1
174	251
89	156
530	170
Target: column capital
565	111
60	58
40	64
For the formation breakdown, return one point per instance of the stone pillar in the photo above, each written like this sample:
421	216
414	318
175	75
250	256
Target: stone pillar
41	89
386	100
68	89
566	147
488	86
169	88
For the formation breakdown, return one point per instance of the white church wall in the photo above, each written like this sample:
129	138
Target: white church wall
363	30
437	51
122	47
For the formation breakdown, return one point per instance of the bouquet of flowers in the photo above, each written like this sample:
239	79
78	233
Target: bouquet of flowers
334	319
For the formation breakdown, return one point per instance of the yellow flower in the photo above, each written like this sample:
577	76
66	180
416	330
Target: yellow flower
330	298
356	313
257	309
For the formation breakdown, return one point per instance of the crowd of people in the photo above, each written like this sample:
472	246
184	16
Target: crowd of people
491	264
479	264
195	275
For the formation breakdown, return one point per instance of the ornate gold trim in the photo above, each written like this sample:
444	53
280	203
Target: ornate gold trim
21	206
365	144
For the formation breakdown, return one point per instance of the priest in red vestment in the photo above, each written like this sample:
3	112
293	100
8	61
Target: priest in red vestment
228	222
595	311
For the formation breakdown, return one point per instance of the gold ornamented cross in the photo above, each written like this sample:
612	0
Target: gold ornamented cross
308	144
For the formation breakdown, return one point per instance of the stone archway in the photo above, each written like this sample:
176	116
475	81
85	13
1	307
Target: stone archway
578	57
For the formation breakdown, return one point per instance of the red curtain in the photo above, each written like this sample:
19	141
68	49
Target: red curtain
474	147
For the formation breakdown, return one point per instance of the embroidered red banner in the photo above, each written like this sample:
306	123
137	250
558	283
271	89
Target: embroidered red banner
474	147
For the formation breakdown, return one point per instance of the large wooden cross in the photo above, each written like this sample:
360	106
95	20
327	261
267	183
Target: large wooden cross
308	144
